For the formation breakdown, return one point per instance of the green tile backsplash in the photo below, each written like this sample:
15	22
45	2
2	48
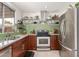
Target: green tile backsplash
31	27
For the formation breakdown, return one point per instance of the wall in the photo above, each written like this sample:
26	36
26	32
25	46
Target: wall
32	14
31	27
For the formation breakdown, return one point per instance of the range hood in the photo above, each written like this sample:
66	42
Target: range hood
44	15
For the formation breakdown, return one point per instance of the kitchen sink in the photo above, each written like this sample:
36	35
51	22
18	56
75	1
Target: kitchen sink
5	43
8	40
18	36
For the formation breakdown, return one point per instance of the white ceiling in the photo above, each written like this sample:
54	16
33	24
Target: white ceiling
38	6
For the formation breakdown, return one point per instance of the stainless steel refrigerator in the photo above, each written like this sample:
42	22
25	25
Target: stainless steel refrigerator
78	32
67	31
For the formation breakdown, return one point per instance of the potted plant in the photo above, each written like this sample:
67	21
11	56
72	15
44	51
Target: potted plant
77	4
21	27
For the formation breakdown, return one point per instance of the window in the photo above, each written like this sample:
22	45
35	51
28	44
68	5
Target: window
1	16
7	18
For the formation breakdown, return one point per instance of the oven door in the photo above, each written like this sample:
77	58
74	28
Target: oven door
43	41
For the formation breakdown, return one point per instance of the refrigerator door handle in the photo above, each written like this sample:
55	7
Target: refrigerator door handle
67	47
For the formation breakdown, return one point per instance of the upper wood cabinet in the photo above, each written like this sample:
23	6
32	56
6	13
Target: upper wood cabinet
54	42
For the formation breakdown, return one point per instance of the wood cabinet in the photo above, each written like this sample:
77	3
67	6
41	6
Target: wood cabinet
26	40
18	48
30	42
54	43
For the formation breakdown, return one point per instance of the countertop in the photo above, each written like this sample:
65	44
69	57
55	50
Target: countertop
10	42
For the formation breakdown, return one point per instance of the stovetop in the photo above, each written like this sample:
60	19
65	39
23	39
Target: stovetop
43	34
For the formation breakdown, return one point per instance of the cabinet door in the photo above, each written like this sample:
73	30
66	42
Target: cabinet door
32	42
18	49
26	41
54	42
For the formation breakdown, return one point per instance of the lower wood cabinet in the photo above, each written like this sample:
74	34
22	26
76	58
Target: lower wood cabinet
18	48
54	43
30	42
26	43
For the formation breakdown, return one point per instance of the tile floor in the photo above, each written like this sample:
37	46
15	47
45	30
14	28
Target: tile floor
53	53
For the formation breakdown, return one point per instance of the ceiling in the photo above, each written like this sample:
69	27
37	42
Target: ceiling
38	6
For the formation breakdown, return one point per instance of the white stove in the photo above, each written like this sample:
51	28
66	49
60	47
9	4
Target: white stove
43	43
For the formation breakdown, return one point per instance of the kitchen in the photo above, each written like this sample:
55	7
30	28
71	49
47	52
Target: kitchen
27	30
